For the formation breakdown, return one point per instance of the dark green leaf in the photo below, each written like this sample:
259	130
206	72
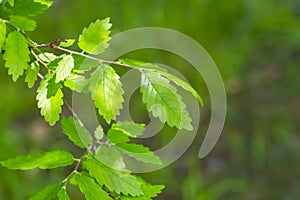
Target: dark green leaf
53	87
117	136
28	7
48	193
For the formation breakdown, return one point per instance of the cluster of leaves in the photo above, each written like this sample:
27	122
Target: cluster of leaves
101	172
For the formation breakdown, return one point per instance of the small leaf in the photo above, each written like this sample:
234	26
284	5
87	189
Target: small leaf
114	180
99	132
94	39
90	189
75	132
110	156
63	195
67	43
16	54
49	192
77	83
53	87
47	57
64	68
46	160
2	34
23	22
139	152
32	73
117	136
128	128
106	91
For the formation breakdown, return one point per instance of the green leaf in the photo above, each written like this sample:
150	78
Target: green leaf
47	57
46	160
77	83
114	180
48	193
50	107
140	64
75	132
99	132
67	43
90	189
32	73
64	68
2	34
162	100
11	2
129	128
94	39
28	7
83	64
45	2
110	156
139	152
52	87
106	91
16	54
63	195
23	22
117	136
150	191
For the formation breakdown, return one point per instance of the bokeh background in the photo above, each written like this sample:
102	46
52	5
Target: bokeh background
256	45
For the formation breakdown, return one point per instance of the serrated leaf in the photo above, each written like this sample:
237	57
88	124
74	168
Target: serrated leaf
47	57
110	156
50	107
16	54
150	191
23	22
99	133
140	64
46	160
63	195
114	180
90	189
75	132
64	68
162	100
94	39
2	34
32	73
28	7
117	136
139	152
67	43
77	83
106	91
129	128
53	87
49	192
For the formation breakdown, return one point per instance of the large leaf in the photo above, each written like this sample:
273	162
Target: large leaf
2	34
129	128
90	189
106	91
29	7
94	39
64	68
16	54
49	192
32	73
139	152
23	22
114	180
162	100
46	160
50	107
75	132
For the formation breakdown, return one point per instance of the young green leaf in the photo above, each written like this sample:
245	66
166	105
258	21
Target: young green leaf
75	132
47	57
94	39
64	68
117	136
63	195
162	100
110	156
67	43
106	91
16	54
77	83
139	152
2	34
114	180
50	107
46	160
49	192
23	22
90	189
129	128
99	133
32	73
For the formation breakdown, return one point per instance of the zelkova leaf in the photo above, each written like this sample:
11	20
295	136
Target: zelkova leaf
106	91
32	73
64	68
129	128
139	152
116	136
162	100
90	189
2	34
29	7
23	22
77	83
50	107
114	180
110	156
63	195
49	192
94	39
53	87
46	160
150	191
67	43
16	54
75	132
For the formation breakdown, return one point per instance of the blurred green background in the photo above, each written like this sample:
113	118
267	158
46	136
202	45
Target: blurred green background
256	45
